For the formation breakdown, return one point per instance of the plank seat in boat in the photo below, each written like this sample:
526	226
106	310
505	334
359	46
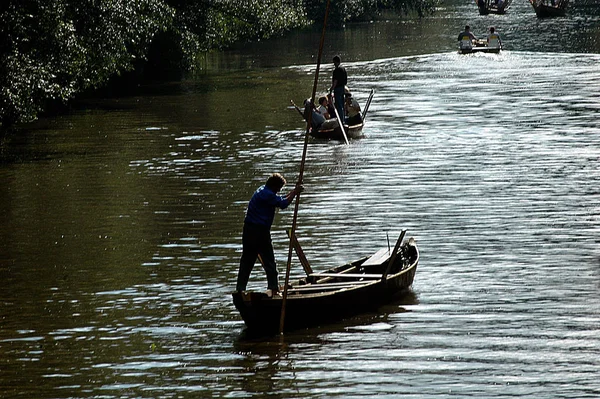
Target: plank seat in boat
346	275
377	258
327	287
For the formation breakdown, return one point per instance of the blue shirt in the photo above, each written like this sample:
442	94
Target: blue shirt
317	119
261	209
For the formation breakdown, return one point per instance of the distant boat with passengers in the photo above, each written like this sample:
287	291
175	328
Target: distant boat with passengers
479	46
549	8
468	43
330	129
493	6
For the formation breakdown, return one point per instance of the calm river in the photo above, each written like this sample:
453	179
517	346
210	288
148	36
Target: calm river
121	221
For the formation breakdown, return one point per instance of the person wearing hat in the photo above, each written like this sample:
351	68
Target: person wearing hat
352	110
339	80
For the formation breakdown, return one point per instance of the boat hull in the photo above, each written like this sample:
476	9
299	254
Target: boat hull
548	12
352	132
480	46
480	50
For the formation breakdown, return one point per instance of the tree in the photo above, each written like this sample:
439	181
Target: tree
53	49
342	11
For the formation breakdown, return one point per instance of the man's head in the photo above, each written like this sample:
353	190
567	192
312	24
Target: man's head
467	28
337	60
275	182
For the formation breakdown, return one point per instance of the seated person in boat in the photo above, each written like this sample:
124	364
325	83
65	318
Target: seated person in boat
316	118
466	38
352	110
493	39
256	236
323	107
330	105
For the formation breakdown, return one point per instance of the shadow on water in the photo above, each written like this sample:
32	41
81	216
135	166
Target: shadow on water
398	305
263	358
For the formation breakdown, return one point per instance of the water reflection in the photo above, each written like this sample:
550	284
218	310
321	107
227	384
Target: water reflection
122	226
268	363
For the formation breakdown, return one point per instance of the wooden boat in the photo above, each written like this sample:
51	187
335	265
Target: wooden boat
493	6
352	132
326	132
549	8
480	46
351	289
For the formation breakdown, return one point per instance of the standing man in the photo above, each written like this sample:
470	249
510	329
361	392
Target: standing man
256	237
339	80
466	38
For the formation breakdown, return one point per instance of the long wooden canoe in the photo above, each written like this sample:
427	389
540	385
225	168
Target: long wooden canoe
320	298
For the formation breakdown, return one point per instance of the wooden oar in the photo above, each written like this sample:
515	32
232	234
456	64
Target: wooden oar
298	109
393	257
300	253
368	103
341	122
300	177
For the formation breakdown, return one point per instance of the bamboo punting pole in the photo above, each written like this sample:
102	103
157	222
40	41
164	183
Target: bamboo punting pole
341	123
300	177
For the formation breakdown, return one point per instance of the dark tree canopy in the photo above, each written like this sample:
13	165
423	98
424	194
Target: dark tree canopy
51	50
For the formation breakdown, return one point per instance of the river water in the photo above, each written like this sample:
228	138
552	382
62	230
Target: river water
121	222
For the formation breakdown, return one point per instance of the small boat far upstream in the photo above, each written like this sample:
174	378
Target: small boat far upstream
493	6
479	46
549	8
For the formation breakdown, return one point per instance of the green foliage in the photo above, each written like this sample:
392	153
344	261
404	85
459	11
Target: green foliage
51	50
342	11
404	7
220	23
